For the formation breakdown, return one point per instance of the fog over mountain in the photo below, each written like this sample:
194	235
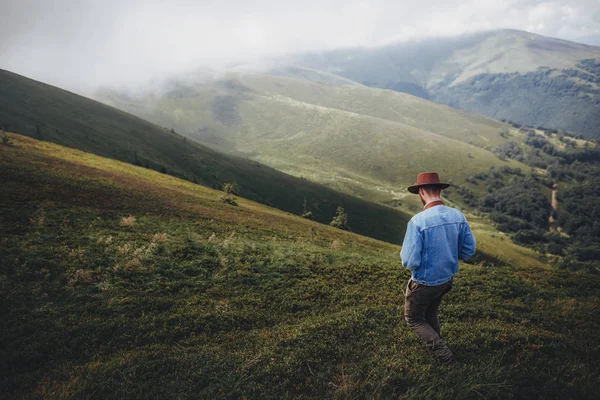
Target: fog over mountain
83	44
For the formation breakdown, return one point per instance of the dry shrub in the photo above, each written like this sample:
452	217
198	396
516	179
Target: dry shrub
145	252
106	241
77	253
128	221
134	259
230	239
125	249
80	276
38	219
131	265
104	286
227	199
222	306
337	244
159	237
6	140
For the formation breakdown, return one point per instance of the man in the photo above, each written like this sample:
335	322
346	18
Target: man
435	240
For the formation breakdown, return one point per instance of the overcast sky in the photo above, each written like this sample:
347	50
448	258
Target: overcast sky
82	43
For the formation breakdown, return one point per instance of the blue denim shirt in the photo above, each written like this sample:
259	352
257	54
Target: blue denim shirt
434	242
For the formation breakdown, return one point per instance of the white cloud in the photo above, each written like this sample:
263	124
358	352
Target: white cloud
88	42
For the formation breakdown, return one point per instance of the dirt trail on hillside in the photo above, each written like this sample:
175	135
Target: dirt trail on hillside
554	203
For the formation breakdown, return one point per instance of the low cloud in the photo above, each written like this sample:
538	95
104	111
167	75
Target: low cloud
83	43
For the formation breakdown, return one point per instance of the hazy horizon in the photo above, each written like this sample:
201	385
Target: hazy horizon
80	45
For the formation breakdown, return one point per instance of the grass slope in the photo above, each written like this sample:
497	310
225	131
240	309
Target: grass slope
367	141
120	282
35	109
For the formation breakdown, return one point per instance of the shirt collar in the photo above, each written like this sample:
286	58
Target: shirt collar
433	203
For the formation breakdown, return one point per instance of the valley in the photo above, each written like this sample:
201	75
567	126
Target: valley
353	139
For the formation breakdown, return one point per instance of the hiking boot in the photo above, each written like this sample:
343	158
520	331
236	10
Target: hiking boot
450	362
441	352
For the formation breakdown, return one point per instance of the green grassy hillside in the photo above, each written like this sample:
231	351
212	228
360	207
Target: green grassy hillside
470	72
366	141
120	282
45	112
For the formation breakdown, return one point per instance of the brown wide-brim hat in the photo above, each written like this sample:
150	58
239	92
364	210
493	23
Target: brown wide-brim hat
427	179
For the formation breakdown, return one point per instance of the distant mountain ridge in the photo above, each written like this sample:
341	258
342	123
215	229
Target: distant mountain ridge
504	74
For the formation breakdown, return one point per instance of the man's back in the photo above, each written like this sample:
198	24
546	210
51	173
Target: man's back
435	240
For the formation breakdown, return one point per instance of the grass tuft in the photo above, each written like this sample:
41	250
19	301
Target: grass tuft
127	221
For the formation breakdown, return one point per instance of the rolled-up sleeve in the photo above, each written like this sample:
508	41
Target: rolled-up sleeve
412	247
468	246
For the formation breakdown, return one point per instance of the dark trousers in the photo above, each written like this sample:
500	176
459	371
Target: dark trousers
421	313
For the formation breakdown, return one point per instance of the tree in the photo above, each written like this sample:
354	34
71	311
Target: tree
6	140
38	132
340	220
136	160
305	213
230	190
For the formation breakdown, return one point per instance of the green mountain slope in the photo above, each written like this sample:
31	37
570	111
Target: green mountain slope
367	141
502	74
120	282
38	110
567	99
